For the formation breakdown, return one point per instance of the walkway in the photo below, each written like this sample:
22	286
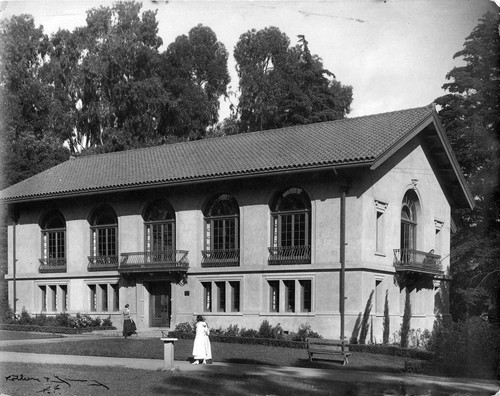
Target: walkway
464	384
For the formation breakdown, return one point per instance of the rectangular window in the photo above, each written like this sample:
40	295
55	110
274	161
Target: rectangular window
207	296
379	298
380	233
53	298
274	289
235	296
43	290
104	297
438	242
64	297
290	295
221	296
93	297
116	297
104	241
305	290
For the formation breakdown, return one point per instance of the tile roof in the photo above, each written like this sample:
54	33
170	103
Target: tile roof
341	142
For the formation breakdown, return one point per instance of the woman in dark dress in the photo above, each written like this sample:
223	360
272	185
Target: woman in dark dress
128	323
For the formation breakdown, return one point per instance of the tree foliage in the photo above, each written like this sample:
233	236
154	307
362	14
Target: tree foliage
194	70
470	112
28	106
282	85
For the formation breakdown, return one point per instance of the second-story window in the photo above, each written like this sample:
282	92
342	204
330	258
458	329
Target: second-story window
53	254
409	221
104	232
221	232
54	236
291	228
159	222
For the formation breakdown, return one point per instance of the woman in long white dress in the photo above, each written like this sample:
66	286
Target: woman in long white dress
202	351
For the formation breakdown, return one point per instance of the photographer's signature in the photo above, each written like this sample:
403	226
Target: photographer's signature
54	383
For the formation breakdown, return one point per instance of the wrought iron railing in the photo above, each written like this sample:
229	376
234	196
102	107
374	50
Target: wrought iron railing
287	255
220	258
415	260
164	260
102	263
52	265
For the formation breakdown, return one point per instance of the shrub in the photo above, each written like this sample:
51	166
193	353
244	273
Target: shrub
469	347
24	318
232	331
385	336
106	322
184	327
248	333
305	332
270	332
63	319
405	324
364	323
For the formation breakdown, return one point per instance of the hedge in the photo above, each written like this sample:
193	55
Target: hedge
375	349
53	329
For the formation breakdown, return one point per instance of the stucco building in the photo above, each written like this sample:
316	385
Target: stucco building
295	225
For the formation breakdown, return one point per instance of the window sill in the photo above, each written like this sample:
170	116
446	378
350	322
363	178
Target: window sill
380	254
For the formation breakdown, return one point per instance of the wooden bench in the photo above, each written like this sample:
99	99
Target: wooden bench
320	346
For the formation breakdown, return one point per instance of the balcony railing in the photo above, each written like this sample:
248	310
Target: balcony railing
288	255
52	265
103	263
220	258
156	261
417	261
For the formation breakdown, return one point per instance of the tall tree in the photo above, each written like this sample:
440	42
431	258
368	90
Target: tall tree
194	71
29	112
282	85
118	92
470	112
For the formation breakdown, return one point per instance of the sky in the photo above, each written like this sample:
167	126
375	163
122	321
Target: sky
394	53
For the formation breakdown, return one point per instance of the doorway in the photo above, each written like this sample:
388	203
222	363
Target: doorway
160	305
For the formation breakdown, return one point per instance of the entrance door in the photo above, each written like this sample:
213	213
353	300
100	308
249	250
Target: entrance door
159	304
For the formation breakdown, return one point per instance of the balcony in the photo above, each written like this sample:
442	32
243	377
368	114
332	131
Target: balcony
220	258
52	265
289	255
102	263
157	261
408	260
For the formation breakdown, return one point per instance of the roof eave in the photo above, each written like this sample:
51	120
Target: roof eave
431	119
179	182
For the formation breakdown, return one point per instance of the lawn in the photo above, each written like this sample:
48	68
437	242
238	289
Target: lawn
30	379
152	348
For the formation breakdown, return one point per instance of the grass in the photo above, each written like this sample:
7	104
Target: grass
152	348
93	381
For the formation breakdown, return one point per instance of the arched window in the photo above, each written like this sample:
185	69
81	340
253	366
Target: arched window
291	228
159	223
408	243
53	242
104	233
221	231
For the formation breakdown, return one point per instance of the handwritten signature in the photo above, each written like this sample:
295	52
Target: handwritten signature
54	383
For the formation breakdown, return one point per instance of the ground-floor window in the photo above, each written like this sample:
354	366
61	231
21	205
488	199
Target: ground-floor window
221	296
290	295
53	298
104	297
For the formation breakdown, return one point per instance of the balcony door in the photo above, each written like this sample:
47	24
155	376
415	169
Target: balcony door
160	306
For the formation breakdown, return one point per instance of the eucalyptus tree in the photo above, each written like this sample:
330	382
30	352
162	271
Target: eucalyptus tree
29	112
282	85
194	72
